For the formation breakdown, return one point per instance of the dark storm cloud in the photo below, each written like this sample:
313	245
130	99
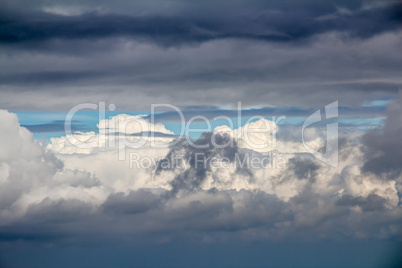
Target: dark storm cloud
263	22
144	215
49	77
42	219
303	168
56	126
370	203
282	53
135	202
142	134
212	112
383	149
198	155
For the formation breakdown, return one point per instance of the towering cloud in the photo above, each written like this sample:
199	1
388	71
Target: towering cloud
42	187
31	174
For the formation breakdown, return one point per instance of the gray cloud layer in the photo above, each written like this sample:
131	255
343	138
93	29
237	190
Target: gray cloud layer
186	53
262	21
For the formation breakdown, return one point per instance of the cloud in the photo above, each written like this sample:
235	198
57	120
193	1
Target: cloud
303	168
269	25
139	201
53	196
283	168
371	202
107	54
102	189
30	173
384	146
199	156
212	112
120	130
55	126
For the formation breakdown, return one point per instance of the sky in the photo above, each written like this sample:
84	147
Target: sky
200	133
